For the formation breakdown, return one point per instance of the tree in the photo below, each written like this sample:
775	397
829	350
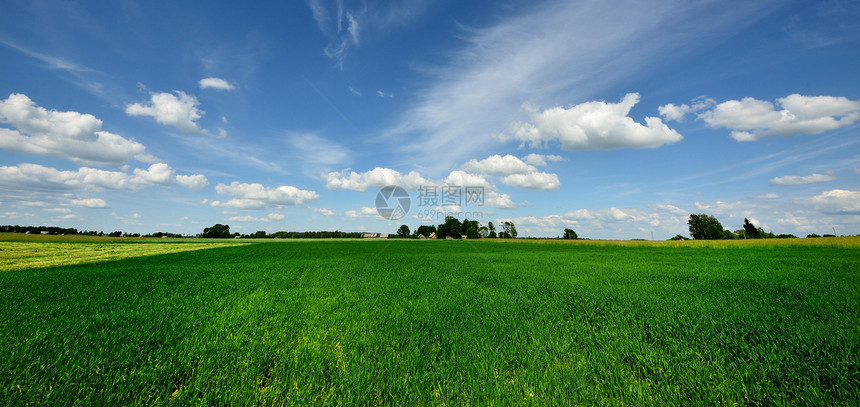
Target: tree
217	231
452	227
750	230
492	228
510	231
403	231
706	227
569	234
472	233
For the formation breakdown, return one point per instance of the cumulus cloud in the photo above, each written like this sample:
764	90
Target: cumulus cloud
257	196
672	112
71	135
363	212
324	211
838	201
215	83
800	180
593	126
33	176
517	172
376	178
175	109
465	179
750	119
496	164
541	160
89	203
533	180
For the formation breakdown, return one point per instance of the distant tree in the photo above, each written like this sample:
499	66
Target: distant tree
786	236
483	231
678	237
472	233
569	234
750	231
403	231
115	234
217	231
260	234
452	227
812	236
492	228
706	227
509	230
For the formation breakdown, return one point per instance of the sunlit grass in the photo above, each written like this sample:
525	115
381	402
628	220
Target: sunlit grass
437	323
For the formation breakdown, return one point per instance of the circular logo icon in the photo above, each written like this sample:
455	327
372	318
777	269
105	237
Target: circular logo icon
393	202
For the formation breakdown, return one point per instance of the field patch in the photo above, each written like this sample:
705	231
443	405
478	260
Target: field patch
437	323
17	255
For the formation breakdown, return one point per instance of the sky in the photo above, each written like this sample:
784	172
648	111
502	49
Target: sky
617	119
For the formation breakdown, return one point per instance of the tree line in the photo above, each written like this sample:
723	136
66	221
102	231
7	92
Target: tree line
706	227
456	229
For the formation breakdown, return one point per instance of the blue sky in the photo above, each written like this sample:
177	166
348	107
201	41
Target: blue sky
617	119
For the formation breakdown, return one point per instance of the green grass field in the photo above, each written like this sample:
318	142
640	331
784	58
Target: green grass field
438	323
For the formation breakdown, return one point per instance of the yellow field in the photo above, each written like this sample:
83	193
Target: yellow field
32	251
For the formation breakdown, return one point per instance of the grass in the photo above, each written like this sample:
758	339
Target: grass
437	323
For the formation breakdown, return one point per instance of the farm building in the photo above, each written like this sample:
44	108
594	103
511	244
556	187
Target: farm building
374	235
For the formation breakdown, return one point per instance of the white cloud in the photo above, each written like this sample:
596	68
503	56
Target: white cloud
518	173
324	211
363	212
838	201
497	200
257	196
671	209
90	203
375	178
215	83
384	94
672	112
541	160
465	179
179	110
70	135
768	196
593	126
800	180
33	176
496	164
533	180
750	119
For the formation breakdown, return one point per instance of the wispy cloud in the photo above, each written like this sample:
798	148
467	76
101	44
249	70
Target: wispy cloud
555	52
